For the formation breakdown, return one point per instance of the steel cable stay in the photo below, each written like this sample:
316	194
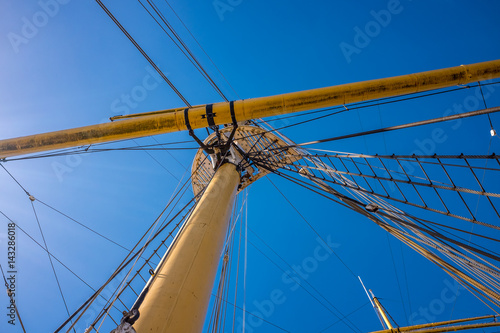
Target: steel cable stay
341	317
460	276
252	314
144	54
424	225
202	49
397	213
405	237
157	162
238	257
299	276
50	260
365	195
397	277
51	254
177	40
450	251
45	246
375	176
216	314
10	294
454	228
33	199
329	308
314	230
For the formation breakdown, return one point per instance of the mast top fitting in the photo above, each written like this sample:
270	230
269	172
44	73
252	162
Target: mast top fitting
254	150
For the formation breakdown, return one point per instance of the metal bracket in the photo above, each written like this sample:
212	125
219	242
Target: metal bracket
124	328
191	133
127	321
217	151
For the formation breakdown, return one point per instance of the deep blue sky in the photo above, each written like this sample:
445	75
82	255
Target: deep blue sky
76	66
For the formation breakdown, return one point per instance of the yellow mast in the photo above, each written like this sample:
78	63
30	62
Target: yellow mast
173	120
177	297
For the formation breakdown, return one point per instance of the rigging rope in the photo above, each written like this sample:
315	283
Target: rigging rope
12	300
144	54
312	228
174	36
50	260
408	125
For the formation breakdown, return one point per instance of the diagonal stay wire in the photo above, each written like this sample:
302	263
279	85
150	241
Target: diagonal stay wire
56	210
396	274
12	300
50	259
237	269
156	160
484	101
151	62
310	285
83	225
307	291
406	281
50	253
209	58
43	238
347	315
21	186
312	228
87	150
126	261
357	188
166	150
392	128
181	45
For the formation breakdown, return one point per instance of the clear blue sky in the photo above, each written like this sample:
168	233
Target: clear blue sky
65	64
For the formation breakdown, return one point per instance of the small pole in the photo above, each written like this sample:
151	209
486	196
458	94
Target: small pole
377	307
